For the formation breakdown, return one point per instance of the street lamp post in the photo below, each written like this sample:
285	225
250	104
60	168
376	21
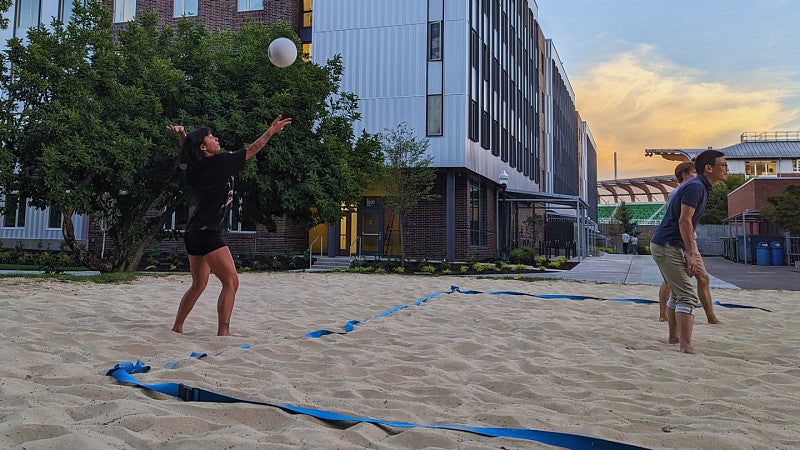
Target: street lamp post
503	219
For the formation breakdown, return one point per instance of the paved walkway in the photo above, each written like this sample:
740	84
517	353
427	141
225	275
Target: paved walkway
640	269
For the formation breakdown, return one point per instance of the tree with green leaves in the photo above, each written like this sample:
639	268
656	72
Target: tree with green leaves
717	206
784	209
89	130
623	219
407	178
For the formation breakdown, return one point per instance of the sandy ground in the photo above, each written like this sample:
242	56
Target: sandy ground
593	368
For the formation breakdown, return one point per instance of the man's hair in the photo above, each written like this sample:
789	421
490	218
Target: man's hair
683	169
708	157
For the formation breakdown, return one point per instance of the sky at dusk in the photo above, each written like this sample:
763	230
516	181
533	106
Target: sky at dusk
676	74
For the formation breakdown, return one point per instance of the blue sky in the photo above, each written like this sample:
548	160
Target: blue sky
676	74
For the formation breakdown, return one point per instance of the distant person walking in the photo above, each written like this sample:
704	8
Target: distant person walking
626	240
635	244
684	172
674	248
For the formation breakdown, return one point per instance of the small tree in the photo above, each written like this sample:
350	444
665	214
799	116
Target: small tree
623	219
784	209
407	178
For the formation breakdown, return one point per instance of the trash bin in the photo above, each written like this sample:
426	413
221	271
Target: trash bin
763	255
777	254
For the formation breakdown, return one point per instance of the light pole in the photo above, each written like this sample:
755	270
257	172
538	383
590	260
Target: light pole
503	181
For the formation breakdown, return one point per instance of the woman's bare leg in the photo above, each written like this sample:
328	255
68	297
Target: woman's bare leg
221	263
200	272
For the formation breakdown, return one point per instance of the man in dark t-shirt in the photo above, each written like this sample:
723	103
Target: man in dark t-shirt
674	248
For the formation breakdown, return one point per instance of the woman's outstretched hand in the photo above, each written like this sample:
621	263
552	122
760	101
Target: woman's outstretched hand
177	129
278	124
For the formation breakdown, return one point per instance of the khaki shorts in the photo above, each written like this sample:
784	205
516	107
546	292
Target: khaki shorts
672	264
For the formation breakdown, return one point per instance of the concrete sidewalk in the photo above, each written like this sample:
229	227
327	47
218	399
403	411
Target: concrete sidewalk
641	269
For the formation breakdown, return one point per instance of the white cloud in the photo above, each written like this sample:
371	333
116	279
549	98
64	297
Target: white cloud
638	100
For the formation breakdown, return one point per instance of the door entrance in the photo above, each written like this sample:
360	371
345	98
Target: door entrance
371	223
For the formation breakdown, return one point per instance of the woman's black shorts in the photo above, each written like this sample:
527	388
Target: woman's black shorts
203	242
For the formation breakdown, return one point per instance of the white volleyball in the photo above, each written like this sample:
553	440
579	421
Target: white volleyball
282	52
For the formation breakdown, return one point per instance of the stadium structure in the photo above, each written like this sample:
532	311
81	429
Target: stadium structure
769	160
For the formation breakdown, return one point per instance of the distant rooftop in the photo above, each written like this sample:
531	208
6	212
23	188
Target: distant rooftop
770	136
752	145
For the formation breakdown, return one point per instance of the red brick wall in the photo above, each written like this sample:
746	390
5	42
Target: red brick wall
753	194
426	227
222	14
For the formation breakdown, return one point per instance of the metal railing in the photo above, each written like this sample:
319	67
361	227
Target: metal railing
311	248
357	239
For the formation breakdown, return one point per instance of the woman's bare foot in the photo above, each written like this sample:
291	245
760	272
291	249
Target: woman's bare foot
662	318
177	329
687	349
673	340
714	320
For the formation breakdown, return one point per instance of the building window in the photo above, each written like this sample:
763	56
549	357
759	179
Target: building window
27	13
240	219
306	51
435	41
251	5
54	218
13	211
760	168
185	8
308	6
434	114
124	10
477	213
796	165
178	220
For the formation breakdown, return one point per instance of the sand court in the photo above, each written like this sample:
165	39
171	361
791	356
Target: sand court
592	368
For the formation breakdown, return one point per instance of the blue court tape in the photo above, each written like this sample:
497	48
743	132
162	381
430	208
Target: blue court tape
198	355
123	372
350	325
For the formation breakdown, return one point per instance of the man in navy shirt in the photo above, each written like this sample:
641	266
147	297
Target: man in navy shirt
674	248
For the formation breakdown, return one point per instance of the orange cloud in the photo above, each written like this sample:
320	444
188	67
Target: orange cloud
637	100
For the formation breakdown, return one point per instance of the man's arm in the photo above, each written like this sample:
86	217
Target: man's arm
687	236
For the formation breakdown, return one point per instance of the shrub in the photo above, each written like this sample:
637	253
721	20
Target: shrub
428	268
522	255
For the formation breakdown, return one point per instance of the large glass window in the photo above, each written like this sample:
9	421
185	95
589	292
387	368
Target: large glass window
477	213
185	8
435	41
178	220
434	115
27	13
308	6
240	220
760	168
796	165
13	211
124	10
54	218
250	5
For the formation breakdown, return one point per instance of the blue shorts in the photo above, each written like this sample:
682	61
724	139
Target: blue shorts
203	242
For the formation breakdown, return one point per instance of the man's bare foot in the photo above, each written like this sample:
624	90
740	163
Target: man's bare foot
224	330
687	349
714	320
177	329
673	340
662	318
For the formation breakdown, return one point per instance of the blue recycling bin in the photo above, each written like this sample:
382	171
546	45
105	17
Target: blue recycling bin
777	254
763	256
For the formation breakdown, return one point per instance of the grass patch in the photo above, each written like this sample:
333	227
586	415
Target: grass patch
103	278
